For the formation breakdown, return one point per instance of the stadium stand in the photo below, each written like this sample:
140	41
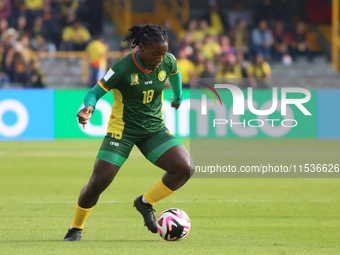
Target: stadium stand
203	34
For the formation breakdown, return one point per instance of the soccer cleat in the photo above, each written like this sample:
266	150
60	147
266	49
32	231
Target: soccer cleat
73	234
146	210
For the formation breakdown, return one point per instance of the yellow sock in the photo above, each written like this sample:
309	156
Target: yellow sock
157	193
80	217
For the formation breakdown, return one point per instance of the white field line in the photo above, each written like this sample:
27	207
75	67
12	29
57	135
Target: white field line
212	201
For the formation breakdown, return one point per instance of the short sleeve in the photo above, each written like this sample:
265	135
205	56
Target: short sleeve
111	79
171	63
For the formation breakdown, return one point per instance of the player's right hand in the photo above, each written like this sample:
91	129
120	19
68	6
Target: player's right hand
84	115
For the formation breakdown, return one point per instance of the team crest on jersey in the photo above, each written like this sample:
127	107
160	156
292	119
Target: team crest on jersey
162	75
134	79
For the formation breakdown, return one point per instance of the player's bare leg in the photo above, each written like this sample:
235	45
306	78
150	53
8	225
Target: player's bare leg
179	167
103	174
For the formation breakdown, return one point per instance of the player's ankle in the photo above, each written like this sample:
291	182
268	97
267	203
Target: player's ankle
144	200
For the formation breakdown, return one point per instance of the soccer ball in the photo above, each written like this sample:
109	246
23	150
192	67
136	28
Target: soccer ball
173	224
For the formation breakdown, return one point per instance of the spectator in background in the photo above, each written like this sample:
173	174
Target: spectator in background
197	48
96	51
25	41
5	9
265	11
171	35
226	48
262	39
200	31
209	70
21	25
281	41
259	73
41	39
239	14
240	68
300	45
240	65
211	47
8	38
191	28
186	67
228	73
75	37
4	78
199	63
35	5
204	30
215	17
68	11
37	77
34	9
3	26
17	63
239	36
18	9
185	45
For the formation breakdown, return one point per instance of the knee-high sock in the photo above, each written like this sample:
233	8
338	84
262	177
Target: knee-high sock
80	217
157	193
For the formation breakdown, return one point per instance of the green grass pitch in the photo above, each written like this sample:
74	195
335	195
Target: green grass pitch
40	182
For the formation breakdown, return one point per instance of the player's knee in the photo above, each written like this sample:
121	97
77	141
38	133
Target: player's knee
98	183
187	169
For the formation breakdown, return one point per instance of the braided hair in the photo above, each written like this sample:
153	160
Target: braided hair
145	34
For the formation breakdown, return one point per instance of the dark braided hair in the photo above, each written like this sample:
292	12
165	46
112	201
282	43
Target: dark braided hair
145	34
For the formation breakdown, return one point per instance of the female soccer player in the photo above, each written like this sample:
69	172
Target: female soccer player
137	83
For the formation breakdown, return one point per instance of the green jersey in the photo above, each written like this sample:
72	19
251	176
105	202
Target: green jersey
137	95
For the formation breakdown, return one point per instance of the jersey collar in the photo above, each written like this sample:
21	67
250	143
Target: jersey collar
138	64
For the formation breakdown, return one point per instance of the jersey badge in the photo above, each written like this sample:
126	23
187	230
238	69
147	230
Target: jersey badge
134	79
162	75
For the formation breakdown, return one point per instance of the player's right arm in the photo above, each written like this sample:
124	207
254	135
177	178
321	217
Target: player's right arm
104	85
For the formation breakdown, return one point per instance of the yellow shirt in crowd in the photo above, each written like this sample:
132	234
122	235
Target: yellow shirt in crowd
216	22
211	49
34	4
259	71
187	68
96	52
78	36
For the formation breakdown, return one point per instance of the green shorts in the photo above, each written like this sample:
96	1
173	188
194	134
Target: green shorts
116	151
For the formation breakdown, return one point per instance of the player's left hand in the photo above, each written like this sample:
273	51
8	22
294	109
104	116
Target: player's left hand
176	106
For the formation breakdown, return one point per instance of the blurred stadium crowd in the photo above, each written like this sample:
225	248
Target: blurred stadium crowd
28	28
238	46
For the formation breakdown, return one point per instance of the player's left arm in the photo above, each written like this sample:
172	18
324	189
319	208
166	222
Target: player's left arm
176	84
175	79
